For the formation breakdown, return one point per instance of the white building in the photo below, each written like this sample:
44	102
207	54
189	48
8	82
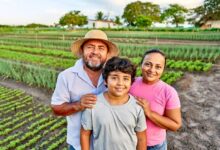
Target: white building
170	25
211	24
101	24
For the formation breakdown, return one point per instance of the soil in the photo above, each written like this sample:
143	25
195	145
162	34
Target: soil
200	101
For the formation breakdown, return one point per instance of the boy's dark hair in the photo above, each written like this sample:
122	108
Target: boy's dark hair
119	64
153	51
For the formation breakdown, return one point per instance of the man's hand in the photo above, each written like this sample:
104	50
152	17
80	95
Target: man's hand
66	109
88	101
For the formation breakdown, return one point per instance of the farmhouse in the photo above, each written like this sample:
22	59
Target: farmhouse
101	24
211	24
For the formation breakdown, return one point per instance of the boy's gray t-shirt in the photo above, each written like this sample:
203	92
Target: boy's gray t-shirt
114	127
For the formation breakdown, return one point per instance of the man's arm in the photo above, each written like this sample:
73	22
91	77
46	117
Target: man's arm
85	139
65	109
141	140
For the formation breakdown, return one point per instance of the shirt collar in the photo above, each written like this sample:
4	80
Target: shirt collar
78	68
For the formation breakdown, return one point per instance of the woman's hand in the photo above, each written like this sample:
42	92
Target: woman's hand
171	120
145	105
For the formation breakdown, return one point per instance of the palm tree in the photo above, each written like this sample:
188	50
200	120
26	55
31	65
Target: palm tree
100	16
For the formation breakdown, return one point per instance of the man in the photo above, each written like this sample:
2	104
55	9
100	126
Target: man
77	86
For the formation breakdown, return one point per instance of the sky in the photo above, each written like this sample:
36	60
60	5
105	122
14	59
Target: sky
22	12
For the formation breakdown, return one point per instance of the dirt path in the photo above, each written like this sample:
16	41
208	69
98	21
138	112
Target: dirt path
200	100
39	94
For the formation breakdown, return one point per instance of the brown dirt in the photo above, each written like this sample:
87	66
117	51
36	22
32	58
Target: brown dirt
200	100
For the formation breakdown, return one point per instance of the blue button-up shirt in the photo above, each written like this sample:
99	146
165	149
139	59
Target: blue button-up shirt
72	83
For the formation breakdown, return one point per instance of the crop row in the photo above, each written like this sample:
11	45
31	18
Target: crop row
29	74
189	65
19	114
204	53
166	35
38	51
182	65
32	127
4	95
125	34
16	104
50	44
46	61
169	77
40	76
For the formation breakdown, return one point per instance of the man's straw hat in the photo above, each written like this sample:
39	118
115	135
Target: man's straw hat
94	35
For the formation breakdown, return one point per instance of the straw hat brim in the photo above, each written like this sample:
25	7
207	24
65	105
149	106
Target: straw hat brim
77	49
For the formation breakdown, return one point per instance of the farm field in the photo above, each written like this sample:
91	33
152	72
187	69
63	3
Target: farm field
26	123
31	61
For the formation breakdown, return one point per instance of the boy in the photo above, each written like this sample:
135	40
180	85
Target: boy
116	122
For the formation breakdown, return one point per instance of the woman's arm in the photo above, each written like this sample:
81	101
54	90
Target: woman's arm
170	121
141	140
85	139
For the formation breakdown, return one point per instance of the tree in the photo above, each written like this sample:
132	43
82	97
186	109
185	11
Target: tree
36	25
117	20
175	13
135	9
210	10
73	18
99	16
196	15
143	21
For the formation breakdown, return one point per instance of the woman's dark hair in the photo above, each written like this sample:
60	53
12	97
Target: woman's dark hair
154	51
119	64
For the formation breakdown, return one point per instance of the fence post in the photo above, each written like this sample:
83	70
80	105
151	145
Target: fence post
63	37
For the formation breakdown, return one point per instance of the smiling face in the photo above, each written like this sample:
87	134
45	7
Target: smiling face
152	67
118	83
94	54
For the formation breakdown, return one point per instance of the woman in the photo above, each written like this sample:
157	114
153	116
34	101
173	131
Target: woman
159	100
